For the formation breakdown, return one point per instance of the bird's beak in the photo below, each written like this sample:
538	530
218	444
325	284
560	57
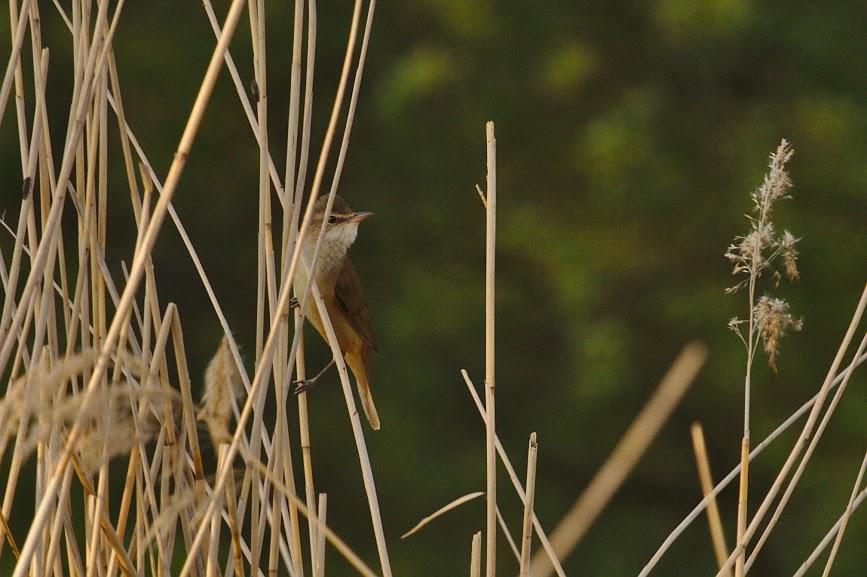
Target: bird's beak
359	216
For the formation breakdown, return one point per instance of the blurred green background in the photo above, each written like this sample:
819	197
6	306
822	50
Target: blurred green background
629	136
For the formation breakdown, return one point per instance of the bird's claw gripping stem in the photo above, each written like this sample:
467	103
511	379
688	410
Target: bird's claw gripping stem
302	385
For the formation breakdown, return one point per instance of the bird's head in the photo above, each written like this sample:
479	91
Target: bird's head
341	228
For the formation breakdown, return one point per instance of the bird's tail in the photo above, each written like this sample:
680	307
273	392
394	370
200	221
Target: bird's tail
365	394
369	407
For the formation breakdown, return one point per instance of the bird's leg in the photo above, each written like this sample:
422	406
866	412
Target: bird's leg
304	385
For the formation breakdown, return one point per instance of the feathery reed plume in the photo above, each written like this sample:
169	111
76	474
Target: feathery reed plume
222	386
109	428
752	256
759	252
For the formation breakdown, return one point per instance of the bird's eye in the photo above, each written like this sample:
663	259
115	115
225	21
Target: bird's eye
332	219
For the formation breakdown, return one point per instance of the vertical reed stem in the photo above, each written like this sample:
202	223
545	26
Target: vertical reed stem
490	428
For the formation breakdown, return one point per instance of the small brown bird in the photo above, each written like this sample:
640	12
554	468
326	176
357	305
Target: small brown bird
342	293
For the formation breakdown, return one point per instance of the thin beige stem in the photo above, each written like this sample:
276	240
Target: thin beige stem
508	535
441	511
845	518
530	491
319	559
717	534
823	544
6	87
490	363
476	556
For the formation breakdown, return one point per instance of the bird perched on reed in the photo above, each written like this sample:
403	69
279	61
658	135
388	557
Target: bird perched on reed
342	293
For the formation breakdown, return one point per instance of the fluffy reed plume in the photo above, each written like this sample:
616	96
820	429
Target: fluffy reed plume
763	251
110	427
222	387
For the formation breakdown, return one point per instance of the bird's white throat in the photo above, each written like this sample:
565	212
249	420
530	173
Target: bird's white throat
336	242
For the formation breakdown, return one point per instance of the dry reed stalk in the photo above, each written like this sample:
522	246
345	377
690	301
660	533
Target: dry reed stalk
319	558
516	484
43	259
127	132
476	556
358	434
233	521
697	510
137	269
20	108
213	564
244	99
290	233
189	413
304	435
814	441
717	534
508	535
283	299
805	434
267	285
291	216
823	544
330	535
743	489
441	511
490	364
845	518
12	66
125	503
307	117
530	491
625	455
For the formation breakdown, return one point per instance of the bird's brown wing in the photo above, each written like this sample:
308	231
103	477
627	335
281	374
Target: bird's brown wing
351	300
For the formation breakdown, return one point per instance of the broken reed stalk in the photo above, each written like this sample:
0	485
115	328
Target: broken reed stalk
625	455
490	365
530	491
717	534
805	433
476	556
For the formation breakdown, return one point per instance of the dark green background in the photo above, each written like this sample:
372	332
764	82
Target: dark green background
629	136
